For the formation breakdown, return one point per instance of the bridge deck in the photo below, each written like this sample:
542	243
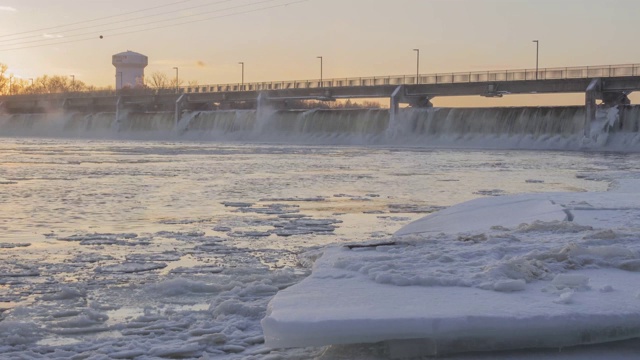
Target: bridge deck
614	78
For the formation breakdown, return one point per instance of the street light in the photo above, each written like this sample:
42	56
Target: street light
417	65
320	57
11	85
73	82
242	83
177	80
537	53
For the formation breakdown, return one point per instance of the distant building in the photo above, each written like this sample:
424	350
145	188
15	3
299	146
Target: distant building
129	69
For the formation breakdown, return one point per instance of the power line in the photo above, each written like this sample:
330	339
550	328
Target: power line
106	31
168	26
98	19
18	40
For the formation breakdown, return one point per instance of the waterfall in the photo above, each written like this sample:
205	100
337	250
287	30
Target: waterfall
514	127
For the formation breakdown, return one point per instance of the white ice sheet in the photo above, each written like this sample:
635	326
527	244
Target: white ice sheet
537	280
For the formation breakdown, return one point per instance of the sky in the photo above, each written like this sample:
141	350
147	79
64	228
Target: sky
281	39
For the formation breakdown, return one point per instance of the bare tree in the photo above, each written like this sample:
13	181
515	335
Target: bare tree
4	81
159	80
58	84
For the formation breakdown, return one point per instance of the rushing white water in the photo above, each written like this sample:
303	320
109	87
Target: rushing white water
560	128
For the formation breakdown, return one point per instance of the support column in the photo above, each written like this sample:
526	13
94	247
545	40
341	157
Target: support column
179	104
590	106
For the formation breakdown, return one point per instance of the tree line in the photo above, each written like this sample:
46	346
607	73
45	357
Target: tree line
48	84
10	85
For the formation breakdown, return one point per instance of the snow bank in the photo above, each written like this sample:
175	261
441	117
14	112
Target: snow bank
547	270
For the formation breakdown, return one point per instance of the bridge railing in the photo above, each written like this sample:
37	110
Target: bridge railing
582	72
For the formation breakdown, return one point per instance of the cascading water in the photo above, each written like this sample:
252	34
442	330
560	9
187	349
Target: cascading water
517	127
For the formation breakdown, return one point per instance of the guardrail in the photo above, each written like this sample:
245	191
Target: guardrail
583	72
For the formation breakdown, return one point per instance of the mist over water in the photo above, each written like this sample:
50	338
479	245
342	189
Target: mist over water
550	128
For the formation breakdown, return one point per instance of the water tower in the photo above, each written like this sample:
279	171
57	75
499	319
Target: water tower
129	69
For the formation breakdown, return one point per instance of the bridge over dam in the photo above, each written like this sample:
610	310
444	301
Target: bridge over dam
611	84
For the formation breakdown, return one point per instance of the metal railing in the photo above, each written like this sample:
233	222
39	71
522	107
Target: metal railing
582	72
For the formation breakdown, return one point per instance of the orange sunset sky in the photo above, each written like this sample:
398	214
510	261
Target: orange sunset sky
281	39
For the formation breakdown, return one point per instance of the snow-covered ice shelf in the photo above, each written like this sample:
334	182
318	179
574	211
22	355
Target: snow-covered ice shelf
544	271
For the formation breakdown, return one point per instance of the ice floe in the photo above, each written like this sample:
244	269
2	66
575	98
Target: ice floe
494	273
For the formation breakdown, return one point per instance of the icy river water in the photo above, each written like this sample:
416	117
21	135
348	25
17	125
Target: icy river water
145	250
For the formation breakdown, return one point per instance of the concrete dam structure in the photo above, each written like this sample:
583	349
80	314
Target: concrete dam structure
266	111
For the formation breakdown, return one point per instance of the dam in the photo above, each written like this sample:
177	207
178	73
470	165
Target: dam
266	111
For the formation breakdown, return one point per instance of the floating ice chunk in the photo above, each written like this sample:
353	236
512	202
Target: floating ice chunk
236	307
177	351
203	269
237	234
606	289
565	298
177	287
412	208
91	258
291	199
66	293
165	256
570	281
180	235
126	354
233	349
291	232
448	292
13	245
88	318
13	333
492	192
292	216
236	204
556	226
130	267
509	285
631	265
481	214
18	271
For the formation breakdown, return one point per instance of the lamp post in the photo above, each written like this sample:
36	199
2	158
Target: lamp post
73	82
537	54
11	85
242	83
417	65
320	57
177	80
